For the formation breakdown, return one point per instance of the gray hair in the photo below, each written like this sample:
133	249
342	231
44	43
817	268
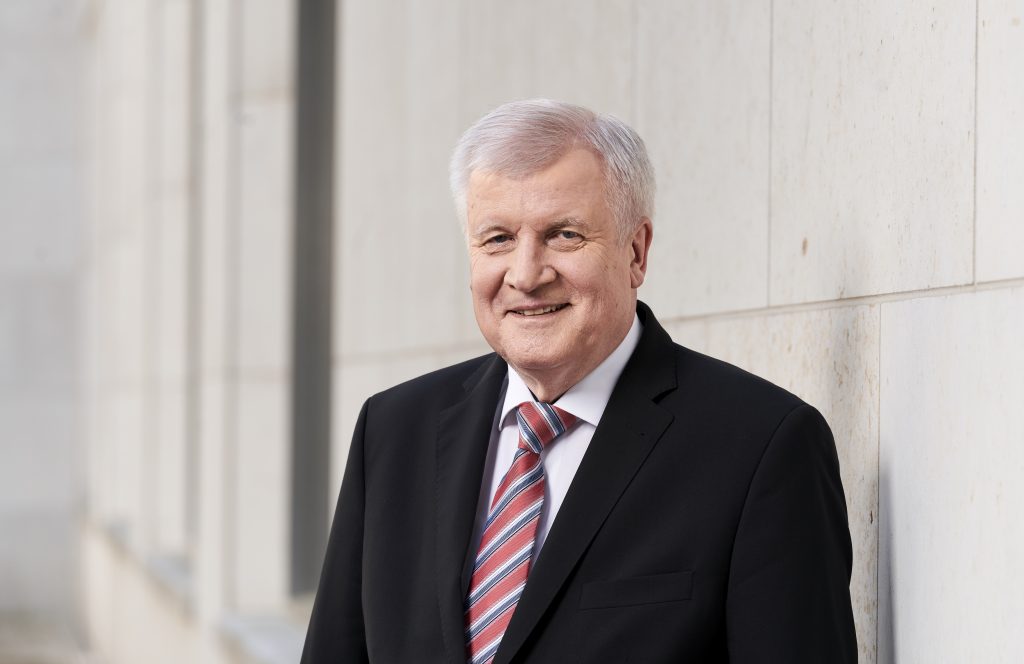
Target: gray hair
521	138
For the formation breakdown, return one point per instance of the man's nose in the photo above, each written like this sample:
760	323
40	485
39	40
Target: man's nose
529	268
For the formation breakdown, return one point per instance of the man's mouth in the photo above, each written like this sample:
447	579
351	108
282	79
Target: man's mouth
540	311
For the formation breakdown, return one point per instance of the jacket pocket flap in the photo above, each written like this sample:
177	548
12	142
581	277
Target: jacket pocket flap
637	590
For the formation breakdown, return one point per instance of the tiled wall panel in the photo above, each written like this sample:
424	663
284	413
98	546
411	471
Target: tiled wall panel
951	459
1000	229
702	85
872	147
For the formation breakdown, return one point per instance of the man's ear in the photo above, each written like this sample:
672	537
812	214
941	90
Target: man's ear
640	244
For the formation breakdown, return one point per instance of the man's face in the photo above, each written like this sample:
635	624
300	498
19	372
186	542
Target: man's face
553	284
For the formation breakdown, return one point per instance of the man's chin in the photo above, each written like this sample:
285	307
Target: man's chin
533	362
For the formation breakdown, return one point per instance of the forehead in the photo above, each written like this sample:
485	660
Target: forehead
574	183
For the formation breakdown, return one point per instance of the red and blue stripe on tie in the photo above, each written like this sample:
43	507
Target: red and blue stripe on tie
506	548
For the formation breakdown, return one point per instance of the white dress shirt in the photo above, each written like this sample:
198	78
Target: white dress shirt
586	400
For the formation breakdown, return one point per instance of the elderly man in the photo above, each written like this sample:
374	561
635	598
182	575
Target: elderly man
591	491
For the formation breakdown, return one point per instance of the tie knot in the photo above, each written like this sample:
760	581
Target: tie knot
540	423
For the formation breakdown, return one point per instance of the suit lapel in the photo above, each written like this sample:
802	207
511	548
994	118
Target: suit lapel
463	433
630	428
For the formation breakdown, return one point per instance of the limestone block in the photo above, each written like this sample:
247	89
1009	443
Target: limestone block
951	459
702	95
829	358
1000	220
872	148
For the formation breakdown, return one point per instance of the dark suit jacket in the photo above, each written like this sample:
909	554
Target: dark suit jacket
706	523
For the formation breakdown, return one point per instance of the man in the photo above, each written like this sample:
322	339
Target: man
591	491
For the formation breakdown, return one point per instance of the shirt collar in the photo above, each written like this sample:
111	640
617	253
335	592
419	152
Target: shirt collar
586	399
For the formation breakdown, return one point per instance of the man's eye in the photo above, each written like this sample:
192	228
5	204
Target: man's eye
568	235
498	239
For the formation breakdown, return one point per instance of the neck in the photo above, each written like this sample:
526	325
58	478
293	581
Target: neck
548	388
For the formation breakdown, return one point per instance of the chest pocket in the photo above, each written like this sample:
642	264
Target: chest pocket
637	590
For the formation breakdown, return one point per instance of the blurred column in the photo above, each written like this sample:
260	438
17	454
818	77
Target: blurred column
117	301
216	50
117	297
169	269
259	455
313	269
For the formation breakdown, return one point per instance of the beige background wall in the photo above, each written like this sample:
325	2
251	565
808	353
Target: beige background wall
840	210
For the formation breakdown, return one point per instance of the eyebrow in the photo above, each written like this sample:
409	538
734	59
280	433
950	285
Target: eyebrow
488	229
564	222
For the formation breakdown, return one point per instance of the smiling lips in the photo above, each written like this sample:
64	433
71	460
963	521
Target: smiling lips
539	311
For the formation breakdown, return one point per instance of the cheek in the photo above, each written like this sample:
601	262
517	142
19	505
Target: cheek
484	279
602	283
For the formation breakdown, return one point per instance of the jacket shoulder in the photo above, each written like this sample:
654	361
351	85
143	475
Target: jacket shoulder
714	386
696	366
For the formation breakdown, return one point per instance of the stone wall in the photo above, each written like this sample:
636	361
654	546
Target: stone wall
840	210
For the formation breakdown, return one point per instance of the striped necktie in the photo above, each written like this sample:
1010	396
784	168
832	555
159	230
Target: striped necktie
506	547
